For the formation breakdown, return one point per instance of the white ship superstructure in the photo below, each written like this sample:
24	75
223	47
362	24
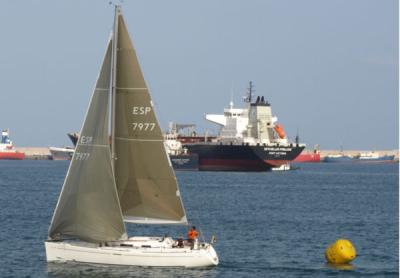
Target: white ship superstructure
254	124
233	122
6	143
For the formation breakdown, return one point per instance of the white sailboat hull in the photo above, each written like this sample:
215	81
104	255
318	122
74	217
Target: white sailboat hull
142	251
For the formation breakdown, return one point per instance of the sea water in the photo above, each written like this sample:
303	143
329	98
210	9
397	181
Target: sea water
272	224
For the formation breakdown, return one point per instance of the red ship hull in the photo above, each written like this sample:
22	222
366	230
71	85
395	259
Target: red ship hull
12	155
308	157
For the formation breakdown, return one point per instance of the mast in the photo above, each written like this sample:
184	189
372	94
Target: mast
114	82
250	92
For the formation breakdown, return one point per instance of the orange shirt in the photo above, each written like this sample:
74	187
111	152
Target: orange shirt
192	234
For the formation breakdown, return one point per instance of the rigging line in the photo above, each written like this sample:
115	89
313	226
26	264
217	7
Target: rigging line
199	226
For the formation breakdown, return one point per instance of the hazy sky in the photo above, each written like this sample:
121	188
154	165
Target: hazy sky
329	68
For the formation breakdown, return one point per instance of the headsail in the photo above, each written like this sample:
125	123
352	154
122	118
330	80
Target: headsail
88	207
147	187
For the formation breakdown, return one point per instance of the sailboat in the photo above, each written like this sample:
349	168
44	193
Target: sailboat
131	182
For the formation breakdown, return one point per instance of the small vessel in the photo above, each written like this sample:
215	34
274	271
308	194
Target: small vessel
133	182
180	158
7	150
58	153
338	158
283	167
250	139
374	157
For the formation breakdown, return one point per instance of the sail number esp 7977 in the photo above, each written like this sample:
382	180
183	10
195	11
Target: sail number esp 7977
142	126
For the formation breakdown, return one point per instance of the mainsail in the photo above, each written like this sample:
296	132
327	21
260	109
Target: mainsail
88	207
147	187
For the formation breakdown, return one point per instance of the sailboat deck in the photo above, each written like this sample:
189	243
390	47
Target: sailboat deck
146	244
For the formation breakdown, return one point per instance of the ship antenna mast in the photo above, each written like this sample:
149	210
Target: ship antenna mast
250	91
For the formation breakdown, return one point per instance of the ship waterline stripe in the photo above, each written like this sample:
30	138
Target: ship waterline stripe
130	139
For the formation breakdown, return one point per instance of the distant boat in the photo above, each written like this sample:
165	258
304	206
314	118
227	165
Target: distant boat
134	182
338	158
308	156
283	167
374	157
61	153
7	150
180	159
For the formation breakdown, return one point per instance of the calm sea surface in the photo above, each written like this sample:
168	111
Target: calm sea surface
274	224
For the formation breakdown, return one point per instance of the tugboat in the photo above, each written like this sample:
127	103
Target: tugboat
250	139
7	150
179	156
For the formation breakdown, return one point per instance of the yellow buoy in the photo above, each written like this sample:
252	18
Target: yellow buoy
340	252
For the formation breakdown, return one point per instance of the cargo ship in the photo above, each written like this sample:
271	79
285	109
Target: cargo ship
374	157
7	150
64	153
58	153
309	156
339	158
250	139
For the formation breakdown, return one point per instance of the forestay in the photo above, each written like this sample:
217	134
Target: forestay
147	187
88	207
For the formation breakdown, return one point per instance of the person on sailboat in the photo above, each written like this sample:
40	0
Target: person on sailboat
192	235
179	243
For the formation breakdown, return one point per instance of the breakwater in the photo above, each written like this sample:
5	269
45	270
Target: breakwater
35	153
357	152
